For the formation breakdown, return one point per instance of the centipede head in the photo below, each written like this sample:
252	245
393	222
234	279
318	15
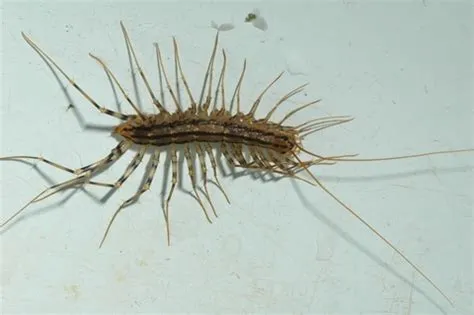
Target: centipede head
128	128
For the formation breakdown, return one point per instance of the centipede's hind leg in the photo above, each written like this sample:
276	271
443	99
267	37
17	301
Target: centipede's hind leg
271	162
155	159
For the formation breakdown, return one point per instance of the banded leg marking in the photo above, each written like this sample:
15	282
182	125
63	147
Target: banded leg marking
208	149
202	162
192	177
155	159
83	93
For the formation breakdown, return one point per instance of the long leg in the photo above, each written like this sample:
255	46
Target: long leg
290	94
323	120
261	163
109	72
90	99
294	111
207	103
227	155
76	171
349	158
258	164
237	152
237	89
252	167
326	160
160	75
82	178
202	162
22	158
315	127
259	98
176	78
208	149
87	171
131	167
208	74
220	85
372	229
256	156
168	85
174	181
140	70
279	161
116	152
49	192
192	177
183	77
260	158
155	159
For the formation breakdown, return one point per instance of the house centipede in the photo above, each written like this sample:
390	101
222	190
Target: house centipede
256	144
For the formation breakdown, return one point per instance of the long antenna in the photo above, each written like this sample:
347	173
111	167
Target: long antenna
370	227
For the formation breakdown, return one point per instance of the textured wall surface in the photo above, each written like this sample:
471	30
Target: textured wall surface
404	71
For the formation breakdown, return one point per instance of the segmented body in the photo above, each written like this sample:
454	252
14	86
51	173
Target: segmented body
218	126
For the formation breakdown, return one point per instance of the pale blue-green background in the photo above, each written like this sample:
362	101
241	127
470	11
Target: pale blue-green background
404	70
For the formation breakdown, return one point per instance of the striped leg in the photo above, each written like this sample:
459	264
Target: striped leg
257	157
116	152
109	72
294	111
82	178
237	90
290	94
84	94
183	77
259	98
174	181
208	149
155	159
280	162
237	151
168	85
132	166
259	164
76	171
140	70
192	177
227	155
204	104
220	86
202	162
22	158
